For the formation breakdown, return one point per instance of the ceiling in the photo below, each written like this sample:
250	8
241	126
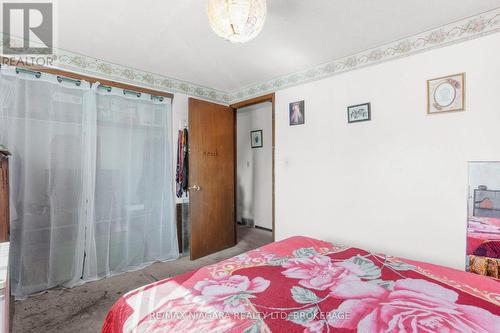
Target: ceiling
173	38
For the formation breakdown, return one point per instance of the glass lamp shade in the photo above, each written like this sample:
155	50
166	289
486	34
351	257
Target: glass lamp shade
237	20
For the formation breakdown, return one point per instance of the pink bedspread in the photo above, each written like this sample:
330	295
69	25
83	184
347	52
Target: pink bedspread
306	285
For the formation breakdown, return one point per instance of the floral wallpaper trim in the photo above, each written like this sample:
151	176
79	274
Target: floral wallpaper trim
473	27
466	29
95	67
82	64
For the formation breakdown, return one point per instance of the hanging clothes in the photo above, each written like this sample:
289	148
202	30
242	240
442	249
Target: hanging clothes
182	170
185	164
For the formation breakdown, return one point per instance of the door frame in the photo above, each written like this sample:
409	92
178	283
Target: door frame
257	100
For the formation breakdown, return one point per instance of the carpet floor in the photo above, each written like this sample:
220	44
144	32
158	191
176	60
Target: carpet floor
83	309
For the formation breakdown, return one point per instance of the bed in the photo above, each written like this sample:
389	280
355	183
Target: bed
305	285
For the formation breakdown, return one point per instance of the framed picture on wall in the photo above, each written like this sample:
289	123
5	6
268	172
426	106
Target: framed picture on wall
357	113
297	113
446	94
256	139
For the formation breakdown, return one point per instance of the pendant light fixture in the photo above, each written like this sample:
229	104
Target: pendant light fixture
237	21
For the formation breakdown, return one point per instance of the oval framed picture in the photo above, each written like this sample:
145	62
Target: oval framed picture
446	94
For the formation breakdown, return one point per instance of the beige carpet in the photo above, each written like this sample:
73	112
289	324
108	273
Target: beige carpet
83	309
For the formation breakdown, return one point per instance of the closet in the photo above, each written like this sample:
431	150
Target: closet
182	187
90	179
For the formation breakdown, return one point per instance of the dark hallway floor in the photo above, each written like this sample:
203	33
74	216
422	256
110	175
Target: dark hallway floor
83	309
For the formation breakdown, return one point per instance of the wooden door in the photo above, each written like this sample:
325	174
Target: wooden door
4	199
212	213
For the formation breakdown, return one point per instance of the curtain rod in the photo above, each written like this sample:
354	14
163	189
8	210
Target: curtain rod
78	82
91	79
38	75
68	79
27	71
131	92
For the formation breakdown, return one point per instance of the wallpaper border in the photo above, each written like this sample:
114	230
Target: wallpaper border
456	32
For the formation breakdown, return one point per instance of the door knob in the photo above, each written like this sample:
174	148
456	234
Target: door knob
195	188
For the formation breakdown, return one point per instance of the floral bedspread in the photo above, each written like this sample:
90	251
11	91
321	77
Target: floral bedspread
306	285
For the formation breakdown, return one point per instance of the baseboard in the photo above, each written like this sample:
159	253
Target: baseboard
262	228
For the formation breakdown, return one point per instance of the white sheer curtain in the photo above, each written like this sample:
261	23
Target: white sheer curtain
41	121
132	223
91	186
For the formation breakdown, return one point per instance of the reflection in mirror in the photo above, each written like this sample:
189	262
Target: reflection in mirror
483	227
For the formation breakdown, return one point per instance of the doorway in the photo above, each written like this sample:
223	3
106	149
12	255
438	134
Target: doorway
212	174
254	142
254	166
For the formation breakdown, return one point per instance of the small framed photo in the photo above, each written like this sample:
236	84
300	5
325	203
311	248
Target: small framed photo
446	94
357	113
256	139
297	113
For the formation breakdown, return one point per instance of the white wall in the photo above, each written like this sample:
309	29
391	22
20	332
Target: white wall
254	166
396	184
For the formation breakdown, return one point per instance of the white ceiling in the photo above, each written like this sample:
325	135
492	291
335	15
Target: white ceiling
173	38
